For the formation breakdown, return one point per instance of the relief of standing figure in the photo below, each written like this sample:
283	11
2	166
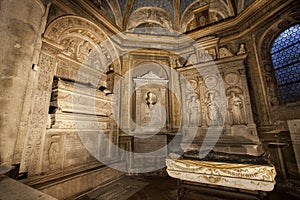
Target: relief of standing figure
235	109
193	111
213	110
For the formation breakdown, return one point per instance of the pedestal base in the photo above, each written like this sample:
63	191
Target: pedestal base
241	176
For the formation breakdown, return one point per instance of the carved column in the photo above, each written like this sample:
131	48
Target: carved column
183	102
138	108
164	104
33	148
202	88
249	115
21	23
126	102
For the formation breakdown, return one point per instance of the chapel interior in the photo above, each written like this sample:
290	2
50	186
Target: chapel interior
150	99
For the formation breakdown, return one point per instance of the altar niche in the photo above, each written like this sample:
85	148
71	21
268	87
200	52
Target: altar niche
150	102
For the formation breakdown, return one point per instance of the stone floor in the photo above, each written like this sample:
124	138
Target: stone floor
165	188
11	189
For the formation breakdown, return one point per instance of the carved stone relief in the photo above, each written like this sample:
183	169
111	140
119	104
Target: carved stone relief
236	106
156	15
224	52
242	50
54	151
193	109
80	37
224	102
232	78
211	81
34	145
215	8
214	117
76	38
150	102
207	49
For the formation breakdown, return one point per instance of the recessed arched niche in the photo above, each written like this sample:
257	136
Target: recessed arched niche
150	98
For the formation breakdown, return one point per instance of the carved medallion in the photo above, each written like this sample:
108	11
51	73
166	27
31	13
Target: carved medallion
211	81
192	85
232	78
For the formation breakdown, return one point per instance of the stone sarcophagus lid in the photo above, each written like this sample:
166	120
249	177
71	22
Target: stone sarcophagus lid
233	175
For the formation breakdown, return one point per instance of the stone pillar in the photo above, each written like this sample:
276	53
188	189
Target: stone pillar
164	104
138	104
125	103
20	32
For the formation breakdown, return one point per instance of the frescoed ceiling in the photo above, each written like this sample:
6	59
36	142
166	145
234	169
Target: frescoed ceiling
170	14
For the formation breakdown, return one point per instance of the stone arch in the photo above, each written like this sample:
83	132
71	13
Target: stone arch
115	7
264	46
72	32
218	7
59	57
161	72
149	14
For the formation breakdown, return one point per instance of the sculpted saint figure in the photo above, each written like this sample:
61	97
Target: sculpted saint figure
193	111
242	50
213	110
53	154
235	109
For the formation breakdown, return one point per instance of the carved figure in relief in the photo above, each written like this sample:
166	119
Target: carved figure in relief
178	64
202	20
153	116
213	109
235	109
213	17
151	99
193	111
53	152
204	56
70	47
84	50
242	50
212	53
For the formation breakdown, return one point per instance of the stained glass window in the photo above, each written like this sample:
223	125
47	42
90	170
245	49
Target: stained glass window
285	54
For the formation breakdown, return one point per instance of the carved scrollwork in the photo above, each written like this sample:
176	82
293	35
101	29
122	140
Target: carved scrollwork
33	148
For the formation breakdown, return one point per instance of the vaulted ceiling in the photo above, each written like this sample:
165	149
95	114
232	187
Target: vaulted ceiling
175	15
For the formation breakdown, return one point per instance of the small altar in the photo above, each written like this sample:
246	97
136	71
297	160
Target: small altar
249	177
